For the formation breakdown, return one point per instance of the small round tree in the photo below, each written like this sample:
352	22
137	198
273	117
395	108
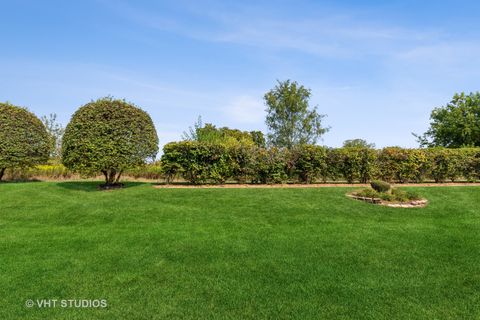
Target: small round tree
108	136
24	141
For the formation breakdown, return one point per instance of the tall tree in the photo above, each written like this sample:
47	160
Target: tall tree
455	125
290	119
55	131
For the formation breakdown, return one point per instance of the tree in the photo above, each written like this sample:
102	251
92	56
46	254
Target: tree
56	131
358	143
290	119
455	125
24	141
108	136
210	133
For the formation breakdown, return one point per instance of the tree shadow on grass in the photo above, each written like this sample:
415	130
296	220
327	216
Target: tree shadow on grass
94	186
20	181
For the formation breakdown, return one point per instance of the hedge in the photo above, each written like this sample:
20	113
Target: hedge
200	163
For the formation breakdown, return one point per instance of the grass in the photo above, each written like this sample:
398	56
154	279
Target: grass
237	253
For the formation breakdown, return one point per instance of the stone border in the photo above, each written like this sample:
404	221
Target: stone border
411	204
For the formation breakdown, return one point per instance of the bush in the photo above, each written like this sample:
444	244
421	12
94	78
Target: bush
396	195
402	165
24	141
271	165
367	193
450	164
380	186
357	164
310	163
242	161
197	162
108	136
403	196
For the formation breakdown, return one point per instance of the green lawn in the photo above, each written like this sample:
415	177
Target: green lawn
237	253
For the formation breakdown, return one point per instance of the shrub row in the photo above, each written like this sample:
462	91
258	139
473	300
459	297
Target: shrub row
215	163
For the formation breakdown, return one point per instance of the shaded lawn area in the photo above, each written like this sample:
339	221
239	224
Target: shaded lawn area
237	253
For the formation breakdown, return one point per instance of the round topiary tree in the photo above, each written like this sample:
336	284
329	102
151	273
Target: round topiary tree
108	136
24	141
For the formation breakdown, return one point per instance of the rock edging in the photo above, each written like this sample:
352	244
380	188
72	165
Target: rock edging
409	204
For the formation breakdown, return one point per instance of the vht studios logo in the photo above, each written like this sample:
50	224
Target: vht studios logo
66	303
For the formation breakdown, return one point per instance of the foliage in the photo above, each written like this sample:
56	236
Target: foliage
450	164
290	119
272	165
310	163
24	141
380	186
395	194
197	162
355	164
51	170
147	171
209	133
403	165
242	162
108	136
455	125
55	131
358	143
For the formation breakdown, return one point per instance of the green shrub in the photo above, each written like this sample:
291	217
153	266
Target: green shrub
402	165
380	186
404	196
367	193
271	165
242	162
108	136
356	164
310	163
197	162
24	141
396	195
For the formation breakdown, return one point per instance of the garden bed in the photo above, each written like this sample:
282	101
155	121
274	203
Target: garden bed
409	204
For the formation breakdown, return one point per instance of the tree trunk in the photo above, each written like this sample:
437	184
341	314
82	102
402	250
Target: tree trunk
2	171
118	176
112	177
106	176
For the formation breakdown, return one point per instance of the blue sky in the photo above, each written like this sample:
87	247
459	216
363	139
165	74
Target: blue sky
376	68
